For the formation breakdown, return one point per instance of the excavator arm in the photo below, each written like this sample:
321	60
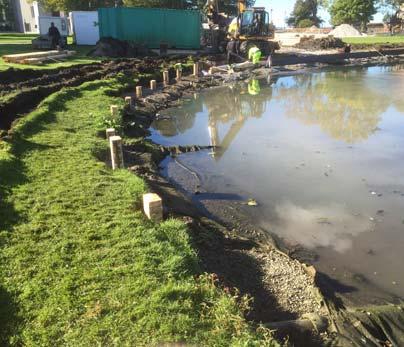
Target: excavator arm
242	5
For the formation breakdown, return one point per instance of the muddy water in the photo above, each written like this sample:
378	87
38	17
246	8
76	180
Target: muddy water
323	156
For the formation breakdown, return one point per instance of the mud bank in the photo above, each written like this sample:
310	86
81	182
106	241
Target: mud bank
282	288
22	90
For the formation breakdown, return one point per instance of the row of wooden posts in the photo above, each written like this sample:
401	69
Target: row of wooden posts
153	86
116	141
152	203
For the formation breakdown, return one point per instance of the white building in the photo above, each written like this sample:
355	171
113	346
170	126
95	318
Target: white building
26	16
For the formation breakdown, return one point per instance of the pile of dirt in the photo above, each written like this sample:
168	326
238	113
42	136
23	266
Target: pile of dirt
114	48
345	30
314	44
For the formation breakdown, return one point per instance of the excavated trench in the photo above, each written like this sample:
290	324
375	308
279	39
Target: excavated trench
22	90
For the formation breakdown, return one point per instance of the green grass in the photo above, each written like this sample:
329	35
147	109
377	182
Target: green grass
80	265
372	40
21	43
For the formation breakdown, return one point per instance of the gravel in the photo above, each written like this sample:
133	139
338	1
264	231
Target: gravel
289	283
345	30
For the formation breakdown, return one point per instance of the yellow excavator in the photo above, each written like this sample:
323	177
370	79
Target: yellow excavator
252	27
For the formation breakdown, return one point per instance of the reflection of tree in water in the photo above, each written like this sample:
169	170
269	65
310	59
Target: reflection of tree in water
397	90
339	102
224	105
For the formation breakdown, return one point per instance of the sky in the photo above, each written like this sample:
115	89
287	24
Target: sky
283	8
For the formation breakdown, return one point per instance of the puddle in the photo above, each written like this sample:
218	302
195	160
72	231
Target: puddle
323	156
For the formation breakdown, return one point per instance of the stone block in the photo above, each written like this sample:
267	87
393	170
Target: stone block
153	206
115	143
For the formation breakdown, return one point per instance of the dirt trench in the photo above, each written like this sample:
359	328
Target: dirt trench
22	90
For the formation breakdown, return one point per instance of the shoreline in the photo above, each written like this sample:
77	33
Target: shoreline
179	205
220	248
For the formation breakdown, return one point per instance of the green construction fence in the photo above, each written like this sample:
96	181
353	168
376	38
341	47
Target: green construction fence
152	26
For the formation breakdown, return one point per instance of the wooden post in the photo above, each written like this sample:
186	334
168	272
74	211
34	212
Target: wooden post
115	142
196	69
114	110
139	92
153	84
179	74
166	78
128	100
153	207
109	133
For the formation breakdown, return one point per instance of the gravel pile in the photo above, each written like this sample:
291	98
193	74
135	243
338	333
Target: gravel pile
289	283
345	30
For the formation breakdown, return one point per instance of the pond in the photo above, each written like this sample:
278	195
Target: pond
323	156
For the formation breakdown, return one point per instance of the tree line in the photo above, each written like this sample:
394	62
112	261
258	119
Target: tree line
226	6
355	12
304	14
6	15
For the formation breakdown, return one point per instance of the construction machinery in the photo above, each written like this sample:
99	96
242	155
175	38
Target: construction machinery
397	21
251	27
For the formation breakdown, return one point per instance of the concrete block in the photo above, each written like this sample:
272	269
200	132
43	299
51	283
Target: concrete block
115	143
109	133
153	84
114	110
153	207
139	92
166	78
196	69
128	100
178	74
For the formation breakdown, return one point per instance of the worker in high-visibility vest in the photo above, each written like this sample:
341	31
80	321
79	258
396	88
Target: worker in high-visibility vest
254	54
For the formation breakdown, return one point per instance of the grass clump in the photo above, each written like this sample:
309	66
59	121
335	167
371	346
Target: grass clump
81	266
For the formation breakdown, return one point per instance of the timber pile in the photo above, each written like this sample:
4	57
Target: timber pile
37	57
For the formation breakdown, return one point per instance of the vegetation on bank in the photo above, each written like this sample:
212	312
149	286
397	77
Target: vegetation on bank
21	43
81	266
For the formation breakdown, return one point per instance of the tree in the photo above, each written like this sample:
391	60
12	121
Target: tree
176	4
304	14
354	12
6	15
226	6
76	5
393	5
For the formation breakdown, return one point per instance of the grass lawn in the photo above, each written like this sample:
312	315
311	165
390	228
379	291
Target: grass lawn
80	264
21	43
372	40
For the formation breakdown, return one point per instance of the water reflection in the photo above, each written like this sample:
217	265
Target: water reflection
340	103
234	106
281	145
332	226
346	105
